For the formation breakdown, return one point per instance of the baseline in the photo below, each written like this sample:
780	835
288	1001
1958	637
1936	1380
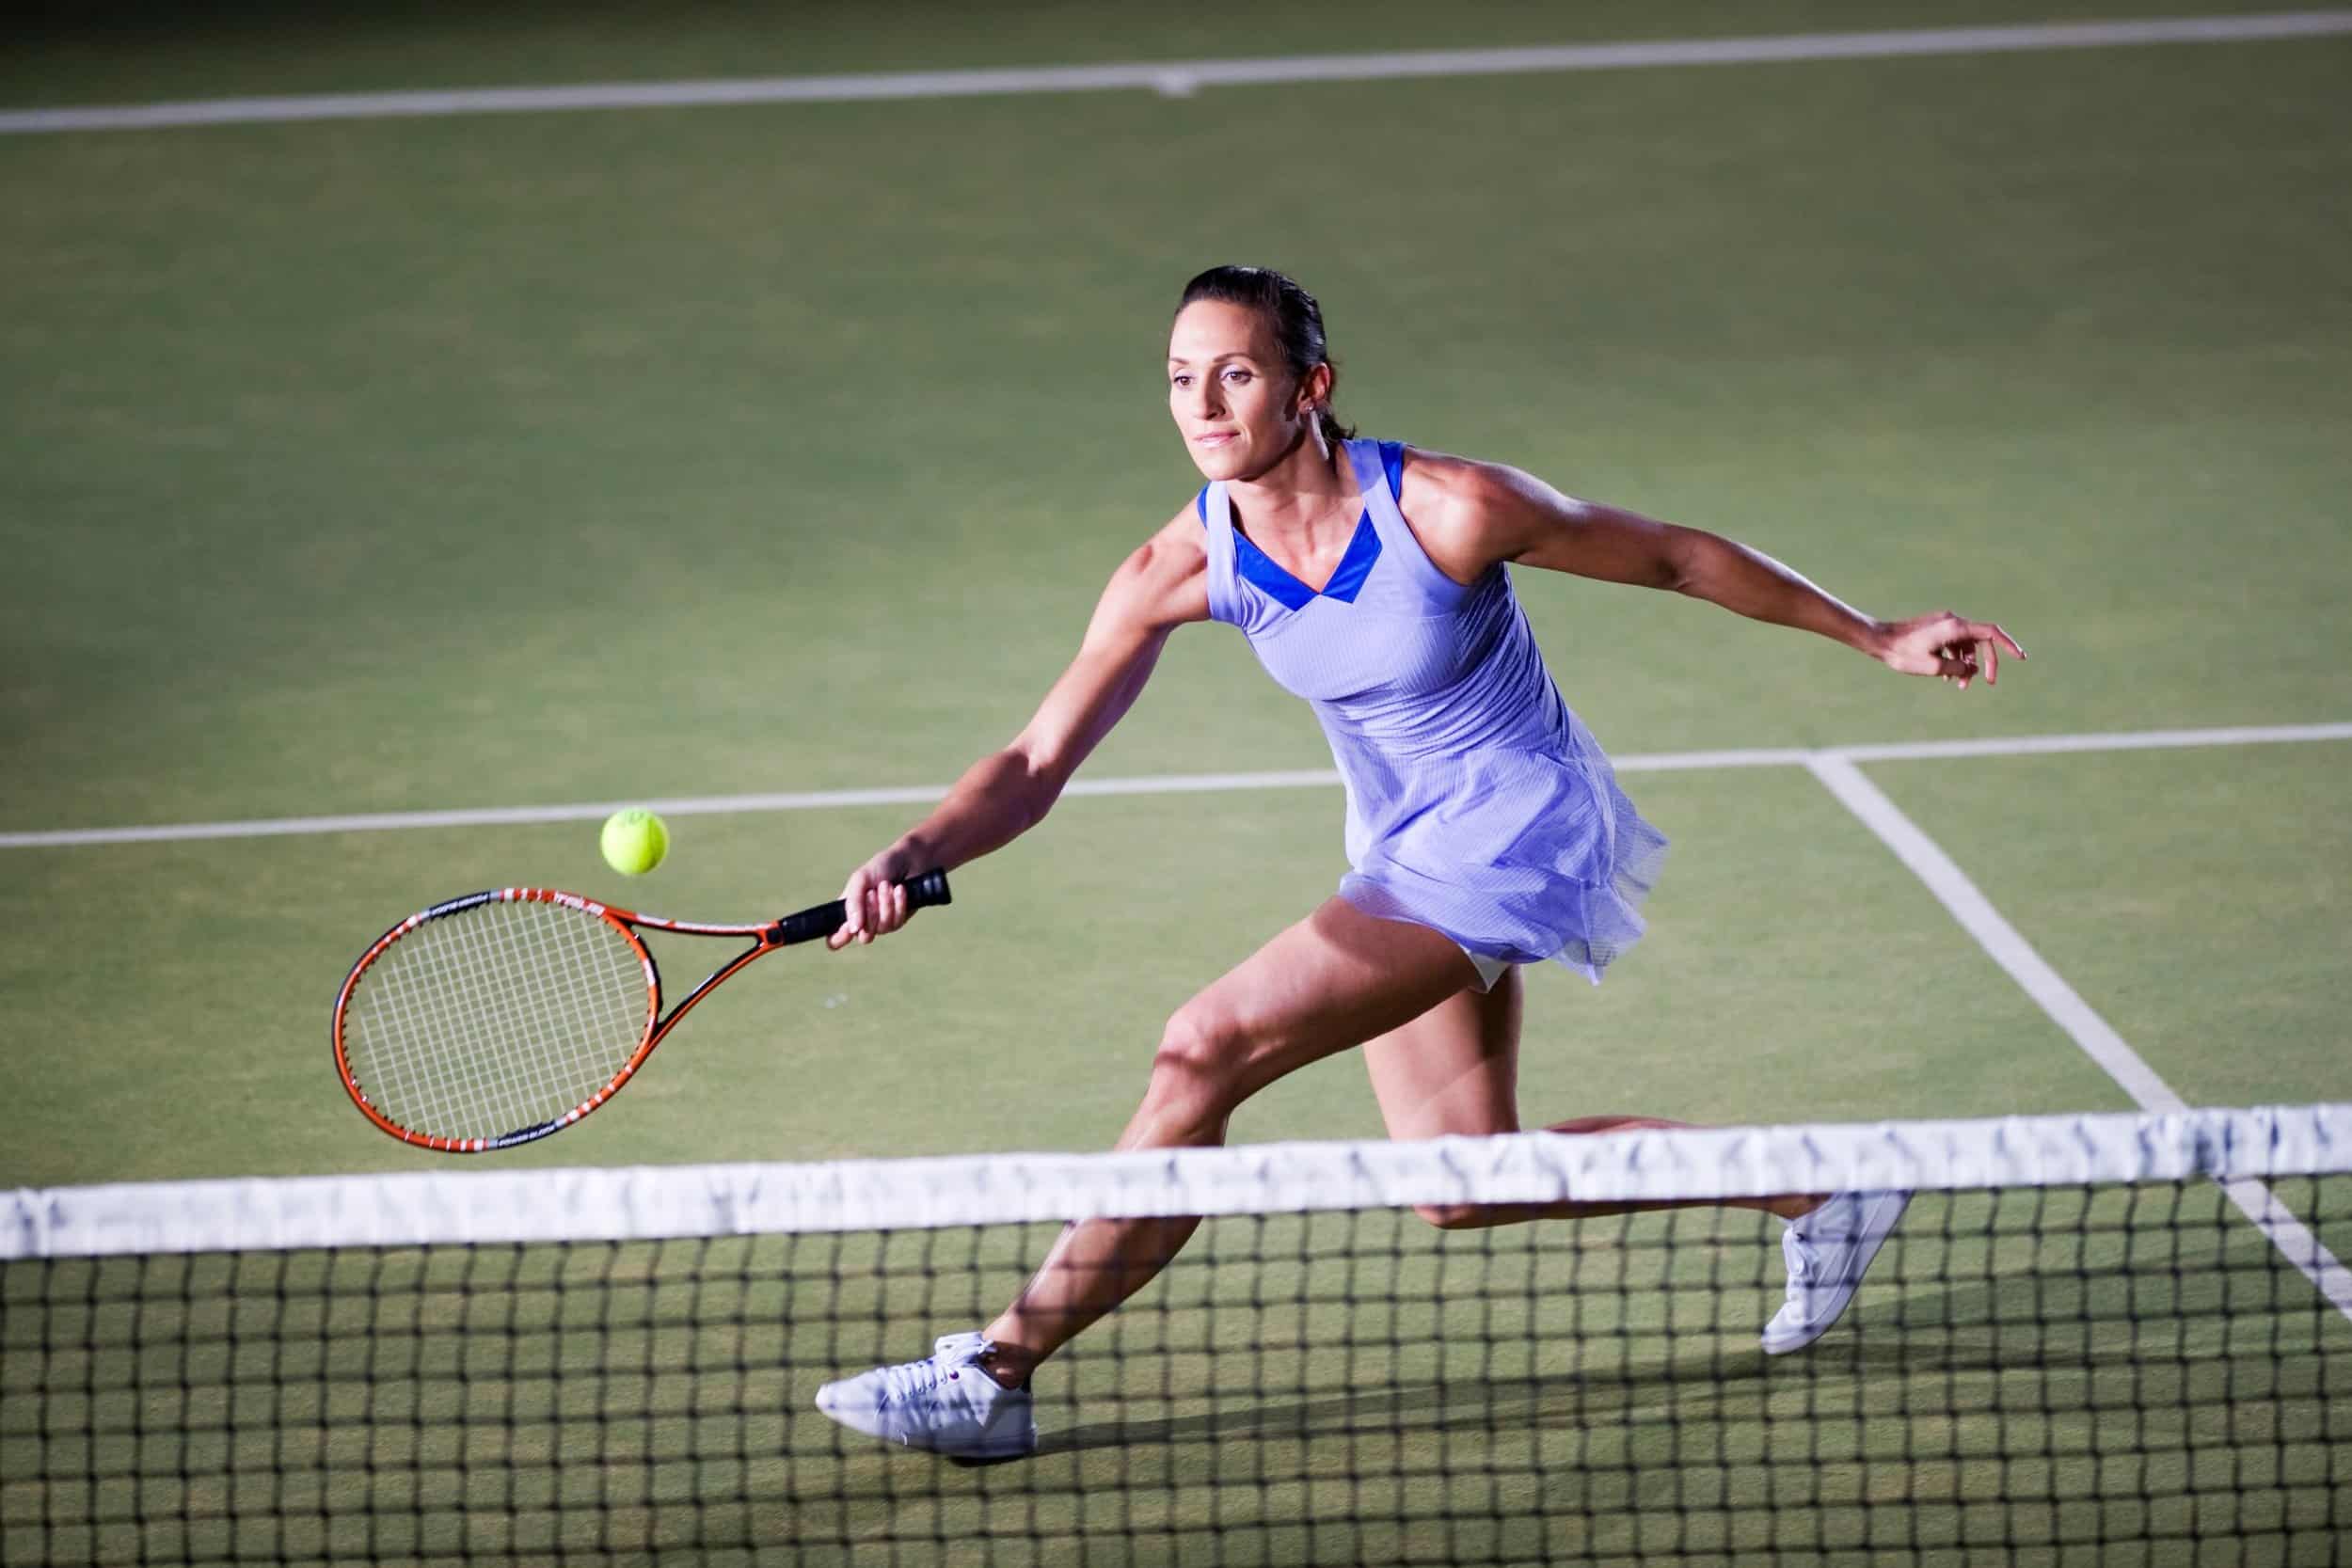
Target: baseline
1182	78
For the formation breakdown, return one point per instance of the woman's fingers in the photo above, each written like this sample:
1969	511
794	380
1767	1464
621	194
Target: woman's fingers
872	906
1989	639
856	915
852	898
1959	650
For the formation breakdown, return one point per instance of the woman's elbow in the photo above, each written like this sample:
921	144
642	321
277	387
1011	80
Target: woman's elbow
1684	560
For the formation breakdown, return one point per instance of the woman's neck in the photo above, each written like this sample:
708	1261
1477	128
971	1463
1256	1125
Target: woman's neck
1309	491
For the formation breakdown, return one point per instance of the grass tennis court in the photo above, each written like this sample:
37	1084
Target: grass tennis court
545	458
524	460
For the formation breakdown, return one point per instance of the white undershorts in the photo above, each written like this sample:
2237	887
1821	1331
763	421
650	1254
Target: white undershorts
1489	969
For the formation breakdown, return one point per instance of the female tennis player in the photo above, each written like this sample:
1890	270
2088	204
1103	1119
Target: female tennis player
1486	830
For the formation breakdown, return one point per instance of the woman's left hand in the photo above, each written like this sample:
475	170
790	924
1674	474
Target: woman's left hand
1944	644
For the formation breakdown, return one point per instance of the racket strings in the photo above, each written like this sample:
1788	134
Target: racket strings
496	1018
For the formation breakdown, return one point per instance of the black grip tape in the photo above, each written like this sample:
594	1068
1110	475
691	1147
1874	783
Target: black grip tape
815	925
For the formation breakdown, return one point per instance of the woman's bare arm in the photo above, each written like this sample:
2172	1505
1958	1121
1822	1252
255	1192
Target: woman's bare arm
1155	590
1479	514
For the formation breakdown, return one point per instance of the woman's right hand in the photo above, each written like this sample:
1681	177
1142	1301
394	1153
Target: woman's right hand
874	901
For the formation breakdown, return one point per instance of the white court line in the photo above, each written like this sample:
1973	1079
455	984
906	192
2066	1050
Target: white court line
1180	78
2064	1005
2122	740
1160	784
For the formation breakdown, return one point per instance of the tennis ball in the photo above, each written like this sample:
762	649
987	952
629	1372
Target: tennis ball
634	840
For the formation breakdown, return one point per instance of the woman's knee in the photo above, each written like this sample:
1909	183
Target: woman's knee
1196	1071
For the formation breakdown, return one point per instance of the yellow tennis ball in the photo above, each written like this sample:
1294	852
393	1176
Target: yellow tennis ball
634	840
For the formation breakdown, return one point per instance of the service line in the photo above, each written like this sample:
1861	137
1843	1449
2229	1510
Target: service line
1160	784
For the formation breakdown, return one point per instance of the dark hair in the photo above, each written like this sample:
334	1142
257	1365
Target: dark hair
1291	310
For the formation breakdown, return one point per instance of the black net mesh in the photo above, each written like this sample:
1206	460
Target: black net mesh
2115	1374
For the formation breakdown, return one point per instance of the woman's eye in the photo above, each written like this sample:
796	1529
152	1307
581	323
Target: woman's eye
1180	381
1236	375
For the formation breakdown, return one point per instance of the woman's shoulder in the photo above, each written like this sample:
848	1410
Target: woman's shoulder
1163	581
1461	509
1182	540
1441	482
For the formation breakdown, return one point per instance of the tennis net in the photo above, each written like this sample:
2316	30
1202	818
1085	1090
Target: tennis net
2113	1339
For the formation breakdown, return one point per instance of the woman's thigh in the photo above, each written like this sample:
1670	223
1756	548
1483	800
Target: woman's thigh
1454	1069
1332	981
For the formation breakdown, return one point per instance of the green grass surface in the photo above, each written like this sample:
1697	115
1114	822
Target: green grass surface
381	466
2204	912
498	461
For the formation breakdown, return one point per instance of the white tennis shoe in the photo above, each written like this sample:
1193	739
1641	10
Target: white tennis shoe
1826	1252
948	1404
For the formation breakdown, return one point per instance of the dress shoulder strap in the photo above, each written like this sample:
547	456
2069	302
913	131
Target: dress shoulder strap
1216	512
1379	469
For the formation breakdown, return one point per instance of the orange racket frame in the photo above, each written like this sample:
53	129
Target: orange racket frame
809	924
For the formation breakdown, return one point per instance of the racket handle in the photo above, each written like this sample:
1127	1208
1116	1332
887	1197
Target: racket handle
815	925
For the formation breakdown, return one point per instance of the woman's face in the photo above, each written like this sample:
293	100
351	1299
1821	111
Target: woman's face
1232	398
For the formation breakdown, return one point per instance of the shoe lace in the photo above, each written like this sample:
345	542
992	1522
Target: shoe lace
909	1380
1798	1254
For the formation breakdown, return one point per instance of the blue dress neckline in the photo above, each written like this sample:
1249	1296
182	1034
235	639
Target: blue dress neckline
1363	548
1355	566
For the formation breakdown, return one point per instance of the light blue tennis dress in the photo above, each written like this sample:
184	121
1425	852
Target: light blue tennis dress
1477	803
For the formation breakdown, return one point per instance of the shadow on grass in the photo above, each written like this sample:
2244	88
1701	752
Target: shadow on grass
1974	1352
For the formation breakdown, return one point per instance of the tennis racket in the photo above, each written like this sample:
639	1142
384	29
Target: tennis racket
505	1016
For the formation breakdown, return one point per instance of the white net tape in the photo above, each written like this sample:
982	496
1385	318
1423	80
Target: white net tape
647	1202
